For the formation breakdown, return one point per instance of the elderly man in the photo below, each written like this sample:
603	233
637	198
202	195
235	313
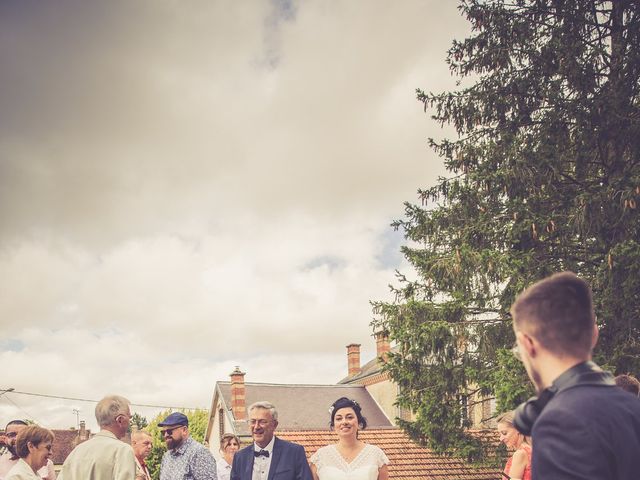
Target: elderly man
185	457
582	425
10	457
105	456
141	442
268	454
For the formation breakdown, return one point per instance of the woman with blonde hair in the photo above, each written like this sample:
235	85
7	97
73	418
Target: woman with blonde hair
33	446
518	466
229	445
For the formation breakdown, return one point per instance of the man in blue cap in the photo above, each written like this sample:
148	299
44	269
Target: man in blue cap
185	457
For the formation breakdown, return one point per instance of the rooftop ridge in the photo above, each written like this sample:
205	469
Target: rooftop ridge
317	385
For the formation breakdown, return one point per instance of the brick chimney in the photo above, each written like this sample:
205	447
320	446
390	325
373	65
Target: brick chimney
353	359
83	433
383	347
238	403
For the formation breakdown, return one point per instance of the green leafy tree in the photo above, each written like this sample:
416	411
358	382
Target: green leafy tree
544	176
198	420
138	421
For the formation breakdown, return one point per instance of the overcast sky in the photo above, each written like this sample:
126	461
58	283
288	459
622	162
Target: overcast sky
186	186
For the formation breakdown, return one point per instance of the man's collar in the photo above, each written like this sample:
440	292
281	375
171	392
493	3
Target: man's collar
268	448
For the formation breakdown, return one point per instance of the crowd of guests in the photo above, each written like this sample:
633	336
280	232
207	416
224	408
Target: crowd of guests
106	457
584	423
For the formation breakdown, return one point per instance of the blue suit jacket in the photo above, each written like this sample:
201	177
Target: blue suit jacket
588	432
289	462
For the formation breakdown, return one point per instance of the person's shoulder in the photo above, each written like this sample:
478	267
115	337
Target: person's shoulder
244	452
520	455
287	445
588	401
323	450
376	452
373	447
199	446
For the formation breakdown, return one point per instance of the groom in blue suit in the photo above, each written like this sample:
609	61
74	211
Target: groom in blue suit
269	458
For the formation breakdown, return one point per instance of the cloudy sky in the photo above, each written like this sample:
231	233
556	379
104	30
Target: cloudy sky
186	186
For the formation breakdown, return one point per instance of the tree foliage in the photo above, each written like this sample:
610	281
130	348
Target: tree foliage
198	420
544	177
138	421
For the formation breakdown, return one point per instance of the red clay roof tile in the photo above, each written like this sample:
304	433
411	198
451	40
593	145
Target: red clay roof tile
409	461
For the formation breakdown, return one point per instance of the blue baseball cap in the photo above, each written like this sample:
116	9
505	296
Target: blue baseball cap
176	418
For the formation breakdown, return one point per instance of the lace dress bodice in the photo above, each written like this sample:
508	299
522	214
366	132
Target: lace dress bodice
330	465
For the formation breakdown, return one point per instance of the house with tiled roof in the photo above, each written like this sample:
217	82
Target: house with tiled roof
300	407
303	417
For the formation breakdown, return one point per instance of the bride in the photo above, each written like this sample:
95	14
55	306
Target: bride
349	458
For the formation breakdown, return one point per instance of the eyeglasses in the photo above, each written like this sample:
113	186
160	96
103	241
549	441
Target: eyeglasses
262	422
11	434
169	431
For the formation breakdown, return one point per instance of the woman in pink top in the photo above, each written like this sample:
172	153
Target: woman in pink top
518	466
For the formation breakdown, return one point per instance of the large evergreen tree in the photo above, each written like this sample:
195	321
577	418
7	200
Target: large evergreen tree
544	177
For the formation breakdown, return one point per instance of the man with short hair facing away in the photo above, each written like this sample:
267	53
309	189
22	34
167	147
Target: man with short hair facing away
104	456
185	457
10	457
141	442
269	458
583	426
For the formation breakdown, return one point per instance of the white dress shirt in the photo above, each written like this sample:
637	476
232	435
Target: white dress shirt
262	464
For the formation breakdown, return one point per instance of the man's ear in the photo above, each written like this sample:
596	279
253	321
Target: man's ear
527	343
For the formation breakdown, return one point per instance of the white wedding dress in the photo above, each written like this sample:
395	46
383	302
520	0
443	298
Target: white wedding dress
330	465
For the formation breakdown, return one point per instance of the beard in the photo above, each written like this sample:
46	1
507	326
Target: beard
11	448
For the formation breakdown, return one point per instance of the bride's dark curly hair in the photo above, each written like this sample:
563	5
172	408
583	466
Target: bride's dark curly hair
344	402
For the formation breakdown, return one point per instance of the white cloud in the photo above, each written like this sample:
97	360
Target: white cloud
189	187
